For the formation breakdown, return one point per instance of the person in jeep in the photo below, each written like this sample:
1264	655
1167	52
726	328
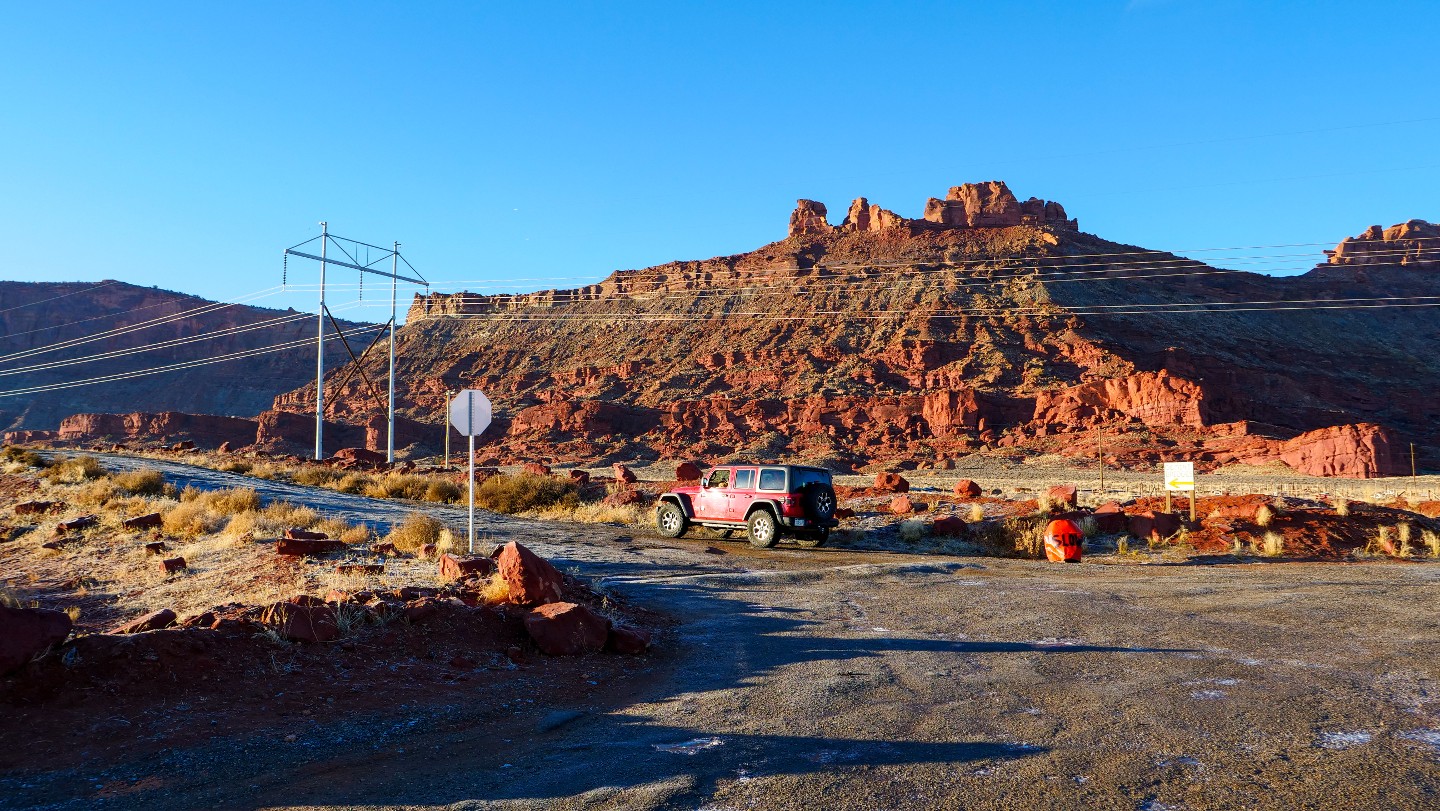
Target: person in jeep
767	501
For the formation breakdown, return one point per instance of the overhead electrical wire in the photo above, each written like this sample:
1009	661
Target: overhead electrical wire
62	295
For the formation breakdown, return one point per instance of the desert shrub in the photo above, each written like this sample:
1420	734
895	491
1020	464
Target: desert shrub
1264	516
291	515
143	482
443	491
977	513
191	519
235	466
912	530
353	483
230	500
1404	532
314	476
8	599
513	494
1273	545
95	493
496	590
1342	507
73	470
1432	542
415	531
21	456
398	485
1089	527
345	531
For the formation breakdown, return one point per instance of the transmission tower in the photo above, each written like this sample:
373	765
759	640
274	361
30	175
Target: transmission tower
351	249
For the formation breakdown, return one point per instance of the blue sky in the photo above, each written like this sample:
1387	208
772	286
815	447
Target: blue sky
184	145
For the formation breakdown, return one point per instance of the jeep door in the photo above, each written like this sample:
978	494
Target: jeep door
712	503
742	492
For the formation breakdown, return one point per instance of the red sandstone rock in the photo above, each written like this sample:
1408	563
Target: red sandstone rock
76	524
303	619
302	534
301	547
808	219
567	629
385	549
1156	399
1154	525
38	507
457	568
1360	451
427	551
27	632
1109	517
149	521
902	505
627	639
891	483
531	578
967	489
1062	497
154	621
949	525
361	455
688	472
172	565
579	477
225	447
864	217
623	497
156	547
622	473
845	512
421	610
360	568
535	469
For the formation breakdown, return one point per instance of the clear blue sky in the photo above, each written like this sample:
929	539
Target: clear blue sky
185	144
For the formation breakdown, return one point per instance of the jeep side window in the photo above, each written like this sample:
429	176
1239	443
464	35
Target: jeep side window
744	479
772	479
720	478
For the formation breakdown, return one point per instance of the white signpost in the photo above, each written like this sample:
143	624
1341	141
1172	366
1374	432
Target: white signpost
470	414
1180	477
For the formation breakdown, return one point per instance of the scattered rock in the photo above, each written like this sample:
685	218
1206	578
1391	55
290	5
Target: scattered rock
156	548
1109	517
303	619
28	632
891	483
150	521
622	473
224	447
427	551
1154	525
76	524
623	497
421	610
531	578
360	568
845	512
154	621
308	548
458	568
902	505
966	488
38	507
172	565
362	455
688	472
302	534
579	478
566	629
627	639
387	550
535	469
1062	497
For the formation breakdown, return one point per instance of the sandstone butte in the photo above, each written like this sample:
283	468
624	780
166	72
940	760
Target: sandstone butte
989	324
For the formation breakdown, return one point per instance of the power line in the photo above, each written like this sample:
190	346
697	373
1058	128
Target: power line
62	295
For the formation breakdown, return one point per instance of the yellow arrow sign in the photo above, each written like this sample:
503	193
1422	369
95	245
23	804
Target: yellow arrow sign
1174	483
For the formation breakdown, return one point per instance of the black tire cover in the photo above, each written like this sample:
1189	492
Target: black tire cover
810	497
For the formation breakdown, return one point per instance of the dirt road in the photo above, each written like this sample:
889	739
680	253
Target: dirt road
839	679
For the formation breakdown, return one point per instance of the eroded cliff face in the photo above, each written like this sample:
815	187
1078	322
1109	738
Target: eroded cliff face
987	324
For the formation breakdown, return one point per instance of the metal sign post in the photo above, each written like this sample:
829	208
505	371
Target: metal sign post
1180	477
470	414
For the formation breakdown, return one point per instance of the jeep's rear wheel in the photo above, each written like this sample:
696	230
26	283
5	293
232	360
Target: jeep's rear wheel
763	531
812	539
670	521
819	501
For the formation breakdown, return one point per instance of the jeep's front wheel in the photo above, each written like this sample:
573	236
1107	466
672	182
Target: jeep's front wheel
670	521
763	531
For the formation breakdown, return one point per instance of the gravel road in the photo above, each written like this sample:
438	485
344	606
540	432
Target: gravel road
843	679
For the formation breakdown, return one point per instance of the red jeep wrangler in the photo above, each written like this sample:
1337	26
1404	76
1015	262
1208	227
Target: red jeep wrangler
765	500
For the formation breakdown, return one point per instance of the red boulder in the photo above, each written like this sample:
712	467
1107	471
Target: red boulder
622	473
949	525
457	568
579	478
967	489
38	507
535	469
1062	497
531	578
149	521
76	524
304	619
625	639
154	621
567	629
172	565
28	632
902	505
362	455
1109	517
302	534
1154	525
891	483
688	472
305	548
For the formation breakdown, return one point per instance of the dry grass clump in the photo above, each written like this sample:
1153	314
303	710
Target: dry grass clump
143	482
912	530
95	493
315	476
977	513
1272	545
73	470
1404	532
291	515
236	466
225	501
1264	516
442	490
515	494
20	459
1432	542
496	590
1342	507
399	485
191	519
415	531
595	513
1089	527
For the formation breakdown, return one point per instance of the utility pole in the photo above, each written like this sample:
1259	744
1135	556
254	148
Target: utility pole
320	352
394	282
1100	455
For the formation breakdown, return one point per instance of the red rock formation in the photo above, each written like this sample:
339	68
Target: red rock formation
1361	451
864	217
205	430
567	629
1415	242
531	578
1156	399
809	218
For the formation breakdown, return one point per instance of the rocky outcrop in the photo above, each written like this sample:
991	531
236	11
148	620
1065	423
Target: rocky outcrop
993	205
809	218
1415	242
205	430
1363	451
1153	398
864	217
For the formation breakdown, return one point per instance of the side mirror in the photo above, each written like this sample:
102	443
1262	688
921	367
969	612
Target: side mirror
704	482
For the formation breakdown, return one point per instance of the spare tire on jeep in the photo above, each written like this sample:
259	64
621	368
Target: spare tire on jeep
819	500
